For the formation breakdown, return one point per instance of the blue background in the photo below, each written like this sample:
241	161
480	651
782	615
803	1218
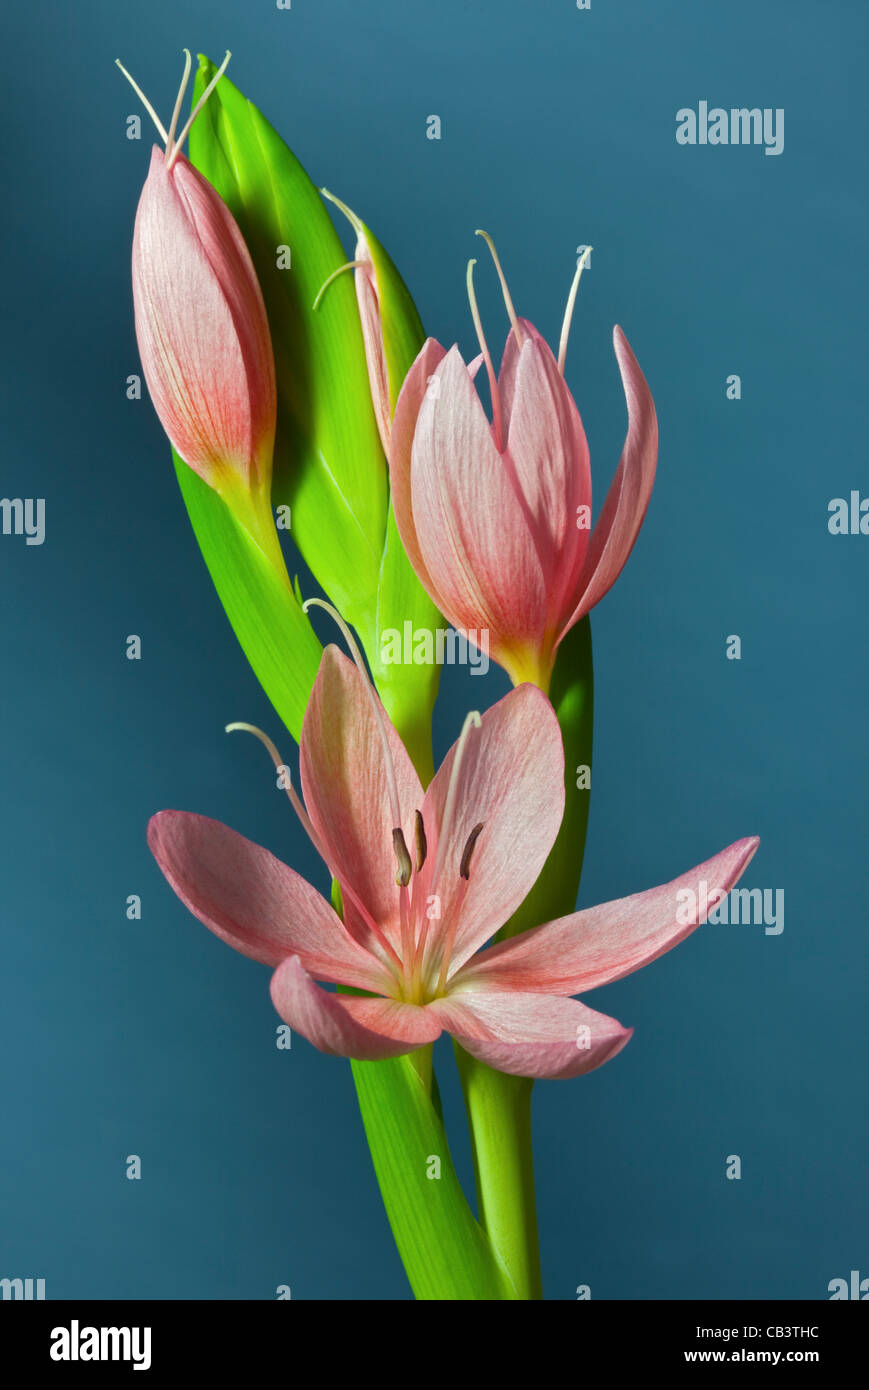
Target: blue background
150	1037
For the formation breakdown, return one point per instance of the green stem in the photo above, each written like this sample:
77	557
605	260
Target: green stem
498	1107
422	1062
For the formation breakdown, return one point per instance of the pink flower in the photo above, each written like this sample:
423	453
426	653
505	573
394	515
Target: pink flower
201	321
496	518
427	877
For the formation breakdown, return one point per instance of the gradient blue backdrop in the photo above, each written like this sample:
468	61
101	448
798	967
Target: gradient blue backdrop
150	1037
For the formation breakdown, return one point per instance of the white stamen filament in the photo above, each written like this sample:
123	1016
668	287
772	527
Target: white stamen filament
568	312
487	357
508	300
172	155
348	265
178	100
305	820
449	940
406	939
348	212
145	102
173	146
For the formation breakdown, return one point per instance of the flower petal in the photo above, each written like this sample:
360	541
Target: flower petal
510	364
474	537
604	943
548	449
347	1026
407	408
255	903
511	778
201	326
625	507
531	1034
345	788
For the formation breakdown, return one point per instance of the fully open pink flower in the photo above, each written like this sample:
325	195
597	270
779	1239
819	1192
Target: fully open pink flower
427	877
496	518
201	323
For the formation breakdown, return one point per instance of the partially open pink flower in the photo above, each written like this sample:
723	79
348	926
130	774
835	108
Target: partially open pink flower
496	518
427	877
201	323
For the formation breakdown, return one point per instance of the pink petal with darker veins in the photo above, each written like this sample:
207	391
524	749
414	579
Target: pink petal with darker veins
255	903
407	409
344	780
619	523
511	778
201	326
348	1026
605	943
547	445
472	528
531	1034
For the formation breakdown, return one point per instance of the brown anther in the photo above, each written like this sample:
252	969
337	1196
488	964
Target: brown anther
421	845
402	854
465	866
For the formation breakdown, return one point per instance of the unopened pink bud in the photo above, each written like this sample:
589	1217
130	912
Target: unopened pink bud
201	325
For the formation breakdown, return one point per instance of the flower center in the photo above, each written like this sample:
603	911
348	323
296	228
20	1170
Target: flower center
420	968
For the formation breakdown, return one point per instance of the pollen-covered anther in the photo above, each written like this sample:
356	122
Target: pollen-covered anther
402	854
465	866
419	837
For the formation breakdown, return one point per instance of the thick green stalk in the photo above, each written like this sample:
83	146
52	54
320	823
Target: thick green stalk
445	1252
499	1106
499	1117
572	694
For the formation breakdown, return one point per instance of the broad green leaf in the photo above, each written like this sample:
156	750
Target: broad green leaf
274	633
329	464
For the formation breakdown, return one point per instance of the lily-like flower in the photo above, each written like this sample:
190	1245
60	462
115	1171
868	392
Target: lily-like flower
201	323
427	877
496	518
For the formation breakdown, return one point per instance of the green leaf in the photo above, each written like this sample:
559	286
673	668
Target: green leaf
274	633
329	464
